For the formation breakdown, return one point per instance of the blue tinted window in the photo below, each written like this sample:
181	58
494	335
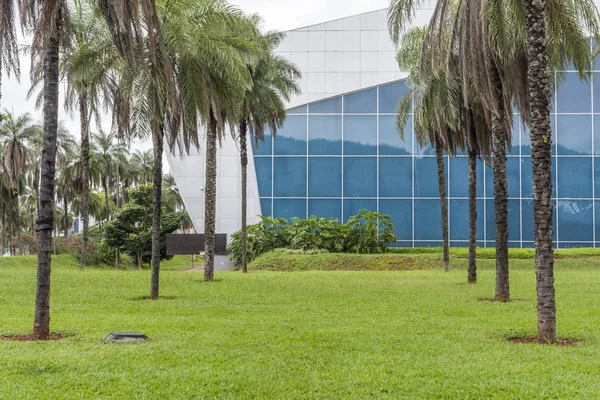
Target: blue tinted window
575	220
325	176
428	243
574	177
526	136
353	206
265	207
390	95
428	220
597	208
515	137
325	208
597	87
424	150
426	177
264	175
527	212
360	134
395	177
574	96
291	139
514	220
363	102
401	213
527	177
459	220
329	106
262	148
360	177
574	134
597	130
512	177
290	177
459	177
298	110
389	138
289	208
597	179
325	134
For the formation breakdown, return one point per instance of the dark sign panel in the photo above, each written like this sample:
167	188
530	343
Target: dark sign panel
194	244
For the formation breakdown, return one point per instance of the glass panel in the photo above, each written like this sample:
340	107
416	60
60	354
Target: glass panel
428	244
574	177
512	177
325	176
325	208
325	134
390	95
401	213
514	220
265	207
597	87
527	177
298	110
459	220
389	138
428	220
264	175
291	139
515	136
395	177
290	177
574	134
426	177
459	177
575	220
329	106
353	206
575	245
360	177
289	208
425	150
527	212
363	102
360	135
262	148
597	179
526	136
573	95
597	129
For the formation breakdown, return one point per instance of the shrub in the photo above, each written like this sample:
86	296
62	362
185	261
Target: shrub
269	234
318	234
369	232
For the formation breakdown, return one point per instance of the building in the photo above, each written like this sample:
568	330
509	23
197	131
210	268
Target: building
339	152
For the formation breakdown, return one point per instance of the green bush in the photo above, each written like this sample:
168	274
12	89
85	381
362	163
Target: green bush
369	232
317	234
269	234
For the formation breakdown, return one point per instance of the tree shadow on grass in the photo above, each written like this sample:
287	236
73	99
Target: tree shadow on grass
148	298
493	300
536	340
32	338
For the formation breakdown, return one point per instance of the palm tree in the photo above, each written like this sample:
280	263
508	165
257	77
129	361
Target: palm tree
274	80
143	164
172	200
107	151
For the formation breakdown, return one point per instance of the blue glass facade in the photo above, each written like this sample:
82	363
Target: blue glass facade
339	155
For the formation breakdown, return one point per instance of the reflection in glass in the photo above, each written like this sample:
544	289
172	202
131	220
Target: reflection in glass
325	134
329	106
389	137
401	213
289	176
325	208
574	177
390	95
353	206
289	208
426	177
360	177
265	207
573	136
574	95
428	220
363	102
264	175
459	177
575	220
395	177
291	138
325	176
459	220
360	135
263	147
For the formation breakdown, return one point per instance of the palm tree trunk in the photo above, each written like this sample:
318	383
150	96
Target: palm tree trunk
18	222
210	200
472	277
500	196
439	153
244	161
41	324
85	172
541	158
66	217
3	230
105	187
157	144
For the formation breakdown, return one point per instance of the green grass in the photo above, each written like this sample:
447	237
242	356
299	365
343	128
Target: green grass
343	334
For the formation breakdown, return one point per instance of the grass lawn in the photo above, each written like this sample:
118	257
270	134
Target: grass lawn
315	334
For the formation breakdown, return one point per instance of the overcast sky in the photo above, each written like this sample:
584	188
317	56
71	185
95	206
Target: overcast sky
278	14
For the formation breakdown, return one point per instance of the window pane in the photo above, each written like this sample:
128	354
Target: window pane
265	207
527	211
291	139
390	95
575	220
290	177
459	177
289	208
363	102
263	148
527	177
353	206
597	179
325	208
401	213
514	220
574	96
597	87
325	134
426	177
325	176
428	220
395	177
360	135
459	220
597	129
329	106
389	138
298	110
574	134
264	175
512	178
574	177
360	177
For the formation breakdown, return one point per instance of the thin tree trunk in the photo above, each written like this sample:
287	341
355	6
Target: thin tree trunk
18	222
439	153
472	277
85	167
3	230
541	159
244	161
157	144
210	200
105	187
66	217
41	324
499	136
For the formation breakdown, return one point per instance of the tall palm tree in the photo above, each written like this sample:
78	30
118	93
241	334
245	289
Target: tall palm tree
107	151
143	164
274	80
